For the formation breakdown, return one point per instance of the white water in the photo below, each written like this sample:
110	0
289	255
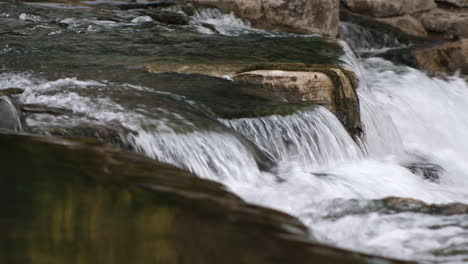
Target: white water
322	172
312	139
212	21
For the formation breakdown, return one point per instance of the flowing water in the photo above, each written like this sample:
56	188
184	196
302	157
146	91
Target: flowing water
304	163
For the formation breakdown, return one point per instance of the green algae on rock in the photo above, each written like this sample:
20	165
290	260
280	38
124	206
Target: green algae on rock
69	202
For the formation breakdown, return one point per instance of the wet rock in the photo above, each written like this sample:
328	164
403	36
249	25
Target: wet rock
43	109
444	57
452	24
384	8
12	91
114	135
63	193
367	33
407	24
332	87
458	3
9	114
428	171
298	16
412	205
423	166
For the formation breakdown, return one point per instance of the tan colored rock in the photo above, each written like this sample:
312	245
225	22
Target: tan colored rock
445	58
333	88
459	3
298	16
446	22
386	8
214	69
407	24
251	10
303	16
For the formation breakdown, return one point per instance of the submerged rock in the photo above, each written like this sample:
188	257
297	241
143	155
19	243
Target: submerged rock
9	114
298	16
70	202
332	87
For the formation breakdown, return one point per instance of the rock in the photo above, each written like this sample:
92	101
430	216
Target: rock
12	91
364	33
168	17
412	205
449	57
62	193
446	57
43	109
422	166
458	3
452	24
9	114
298	16
407	24
251	10
385	8
332	87
302	16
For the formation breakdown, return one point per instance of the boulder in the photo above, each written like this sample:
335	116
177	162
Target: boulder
69	202
407	24
331	87
9	114
385	8
452	24
302	16
298	16
446	57
457	3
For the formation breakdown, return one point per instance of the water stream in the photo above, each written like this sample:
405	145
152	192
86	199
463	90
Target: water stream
316	172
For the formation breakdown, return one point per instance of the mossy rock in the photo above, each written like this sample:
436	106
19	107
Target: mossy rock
12	91
69	202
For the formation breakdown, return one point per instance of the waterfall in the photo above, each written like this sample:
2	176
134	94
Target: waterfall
319	173
204	153
313	138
